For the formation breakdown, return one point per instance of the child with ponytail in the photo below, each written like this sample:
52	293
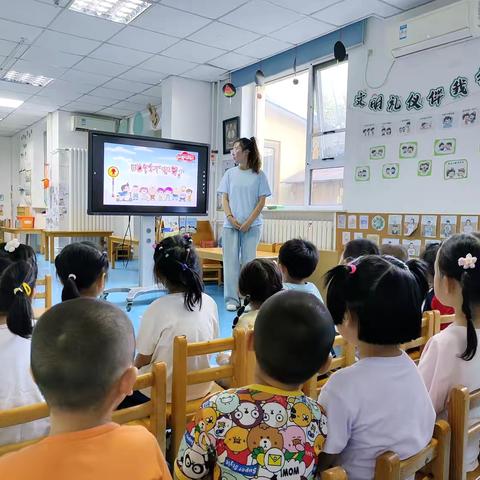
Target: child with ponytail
185	310
380	403
452	357
81	268
17	387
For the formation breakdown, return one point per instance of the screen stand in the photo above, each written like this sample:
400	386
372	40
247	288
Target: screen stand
145	255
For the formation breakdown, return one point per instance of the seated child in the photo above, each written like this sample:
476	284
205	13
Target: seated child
380	403
271	428
358	247
397	251
259	280
15	251
451	357
298	259
81	268
17	387
185	310
82	354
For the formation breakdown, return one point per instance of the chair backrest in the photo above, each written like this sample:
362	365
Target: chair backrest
344	359
459	406
151	414
441	320
335	473
415	347
327	259
47	290
266	247
435	457
182	377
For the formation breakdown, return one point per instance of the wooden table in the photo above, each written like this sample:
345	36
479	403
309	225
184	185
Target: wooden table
217	254
112	241
27	231
50	236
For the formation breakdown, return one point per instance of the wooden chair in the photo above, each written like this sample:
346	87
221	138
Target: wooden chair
183	410
46	294
314	385
442	319
459	406
415	347
266	247
432	462
212	271
335	473
150	414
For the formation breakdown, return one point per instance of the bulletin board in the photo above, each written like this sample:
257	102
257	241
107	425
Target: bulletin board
414	231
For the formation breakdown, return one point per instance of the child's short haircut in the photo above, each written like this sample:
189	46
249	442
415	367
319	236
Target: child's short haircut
299	257
358	247
79	349
293	336
259	280
397	251
385	294
429	255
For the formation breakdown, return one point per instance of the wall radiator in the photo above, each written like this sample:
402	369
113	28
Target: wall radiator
319	232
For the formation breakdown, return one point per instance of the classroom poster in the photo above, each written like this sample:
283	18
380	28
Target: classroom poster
171	226
424	168
357	235
386	129
352	222
469	117
390	241
405	127
408	150
429	226
374	238
468	224
341	221
368	130
362	174
378	223
449	120
444	146
377	152
448	225
345	237
410	225
363	222
425	124
390	170
413	247
455	169
394	224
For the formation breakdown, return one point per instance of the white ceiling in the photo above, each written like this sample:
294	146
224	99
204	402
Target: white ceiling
111	69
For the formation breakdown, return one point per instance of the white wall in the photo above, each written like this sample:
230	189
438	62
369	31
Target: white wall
5	177
418	72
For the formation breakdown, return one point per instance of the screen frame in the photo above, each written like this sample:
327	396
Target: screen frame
96	206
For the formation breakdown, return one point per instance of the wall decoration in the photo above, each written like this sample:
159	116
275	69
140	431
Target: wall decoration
229	90
390	241
456	170
448	120
394	224
231	133
378	223
429	226
368	130
352	222
448	225
410	225
341	221
377	153
413	247
390	170
469	117
386	129
364	222
425	124
345	237
357	235
468	224
362	174
374	238
444	146
405	127
154	117
424	168
408	150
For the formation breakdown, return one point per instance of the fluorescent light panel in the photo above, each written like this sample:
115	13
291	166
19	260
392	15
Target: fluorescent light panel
10	103
120	11
27	78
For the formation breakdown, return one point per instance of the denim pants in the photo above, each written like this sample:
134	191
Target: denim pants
238	249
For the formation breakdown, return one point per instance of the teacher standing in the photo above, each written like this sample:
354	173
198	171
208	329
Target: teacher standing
245	189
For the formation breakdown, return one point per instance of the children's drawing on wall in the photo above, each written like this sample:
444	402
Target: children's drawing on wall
413	247
364	222
357	235
352	222
469	117
341	221
374	238
448	120
368	130
444	146
410	224
386	129
378	223
456	169
468	224
362	174
425	124
394	224
429	226
408	150
345	237
377	153
448	225
405	127
390	170
390	241
424	168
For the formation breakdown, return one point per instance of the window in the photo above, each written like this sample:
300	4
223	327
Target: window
303	148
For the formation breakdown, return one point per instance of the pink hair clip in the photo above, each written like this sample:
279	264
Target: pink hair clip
467	262
353	268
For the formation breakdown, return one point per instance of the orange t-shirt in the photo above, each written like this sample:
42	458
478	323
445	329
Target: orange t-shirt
108	452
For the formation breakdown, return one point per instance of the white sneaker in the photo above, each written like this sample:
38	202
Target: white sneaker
231	307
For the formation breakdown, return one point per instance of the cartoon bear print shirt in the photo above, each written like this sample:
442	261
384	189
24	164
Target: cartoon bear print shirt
256	432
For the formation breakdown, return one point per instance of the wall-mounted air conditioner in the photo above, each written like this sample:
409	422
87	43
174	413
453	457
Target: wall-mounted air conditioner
85	123
452	23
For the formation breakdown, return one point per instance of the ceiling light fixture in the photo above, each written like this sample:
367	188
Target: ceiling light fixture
10	103
27	78
120	11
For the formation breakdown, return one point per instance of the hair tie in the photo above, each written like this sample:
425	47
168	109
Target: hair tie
72	276
23	288
352	268
12	245
184	266
467	262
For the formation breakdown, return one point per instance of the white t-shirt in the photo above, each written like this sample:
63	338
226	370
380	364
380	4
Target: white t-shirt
167	318
17	387
442	368
376	405
307	287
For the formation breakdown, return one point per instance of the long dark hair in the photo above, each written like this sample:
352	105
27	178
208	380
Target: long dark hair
79	265
453	249
16	289
21	252
177	263
253	161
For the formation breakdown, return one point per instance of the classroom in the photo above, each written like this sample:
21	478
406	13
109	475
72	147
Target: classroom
238	239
